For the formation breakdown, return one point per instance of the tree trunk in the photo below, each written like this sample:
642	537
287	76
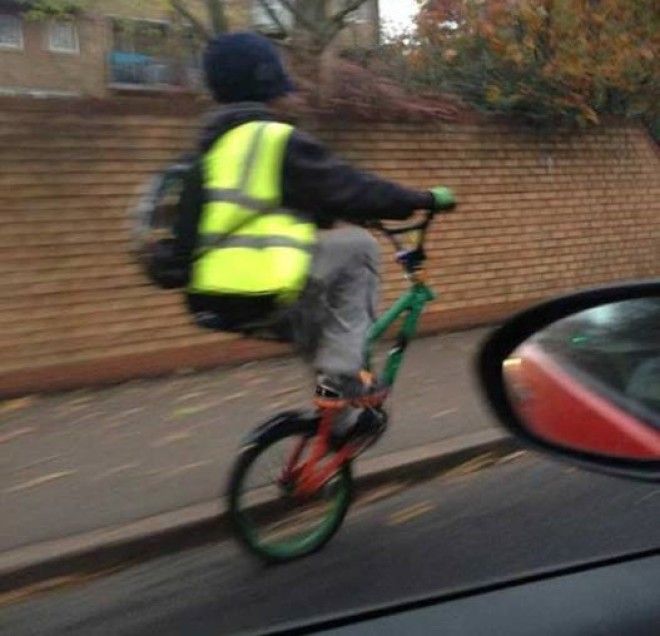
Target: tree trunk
218	16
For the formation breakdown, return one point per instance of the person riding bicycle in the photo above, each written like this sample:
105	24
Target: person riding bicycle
257	218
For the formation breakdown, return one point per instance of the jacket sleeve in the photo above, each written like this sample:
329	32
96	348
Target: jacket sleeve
318	183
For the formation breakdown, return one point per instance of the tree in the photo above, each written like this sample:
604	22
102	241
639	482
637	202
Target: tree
546	60
313	26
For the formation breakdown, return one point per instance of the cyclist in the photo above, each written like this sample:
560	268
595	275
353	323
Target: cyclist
249	216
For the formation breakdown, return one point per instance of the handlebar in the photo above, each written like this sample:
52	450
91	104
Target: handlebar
393	232
411	259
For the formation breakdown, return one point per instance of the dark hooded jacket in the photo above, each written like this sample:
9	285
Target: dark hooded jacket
314	183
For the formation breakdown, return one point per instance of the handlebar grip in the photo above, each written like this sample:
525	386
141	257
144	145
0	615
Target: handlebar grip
443	198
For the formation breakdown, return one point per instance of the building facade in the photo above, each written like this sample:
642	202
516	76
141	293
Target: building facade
125	46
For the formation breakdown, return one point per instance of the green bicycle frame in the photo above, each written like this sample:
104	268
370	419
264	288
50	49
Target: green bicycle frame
411	304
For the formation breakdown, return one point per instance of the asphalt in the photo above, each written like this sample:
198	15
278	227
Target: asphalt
81	462
468	527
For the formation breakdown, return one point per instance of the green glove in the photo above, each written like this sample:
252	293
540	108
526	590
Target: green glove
444	198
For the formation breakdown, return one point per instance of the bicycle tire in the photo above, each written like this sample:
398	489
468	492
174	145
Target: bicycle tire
279	429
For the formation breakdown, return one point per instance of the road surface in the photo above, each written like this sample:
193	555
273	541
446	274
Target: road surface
461	529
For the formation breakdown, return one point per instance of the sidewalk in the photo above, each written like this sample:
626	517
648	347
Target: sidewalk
82	461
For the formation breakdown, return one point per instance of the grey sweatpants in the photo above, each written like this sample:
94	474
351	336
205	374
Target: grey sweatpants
332	318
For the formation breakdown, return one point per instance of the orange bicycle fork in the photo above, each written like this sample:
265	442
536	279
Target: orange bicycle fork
312	474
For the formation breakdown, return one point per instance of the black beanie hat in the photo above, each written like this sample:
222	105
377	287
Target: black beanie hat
245	67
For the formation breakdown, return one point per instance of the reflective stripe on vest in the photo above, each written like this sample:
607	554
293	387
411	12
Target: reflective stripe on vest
248	244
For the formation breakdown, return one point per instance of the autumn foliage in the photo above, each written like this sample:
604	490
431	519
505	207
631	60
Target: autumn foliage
544	60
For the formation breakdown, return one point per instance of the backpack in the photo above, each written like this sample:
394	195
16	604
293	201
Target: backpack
155	217
155	248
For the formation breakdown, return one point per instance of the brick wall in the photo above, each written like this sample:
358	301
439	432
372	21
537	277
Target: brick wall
538	216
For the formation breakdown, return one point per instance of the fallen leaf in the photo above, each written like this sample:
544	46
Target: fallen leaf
10	406
11	435
188	396
286	391
171	439
40	481
233	396
186	411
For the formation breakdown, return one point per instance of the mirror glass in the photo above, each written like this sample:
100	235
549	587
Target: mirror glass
591	382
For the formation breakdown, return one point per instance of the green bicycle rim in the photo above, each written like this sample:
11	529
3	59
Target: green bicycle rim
305	543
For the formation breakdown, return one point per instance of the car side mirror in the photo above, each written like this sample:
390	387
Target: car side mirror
579	377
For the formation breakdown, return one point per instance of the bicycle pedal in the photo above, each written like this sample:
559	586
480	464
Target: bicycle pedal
367	430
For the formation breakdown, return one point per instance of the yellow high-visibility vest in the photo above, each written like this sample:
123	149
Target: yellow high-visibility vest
247	243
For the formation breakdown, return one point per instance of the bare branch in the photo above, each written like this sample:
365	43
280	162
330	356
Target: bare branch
286	45
300	16
349	7
197	24
337	21
273	15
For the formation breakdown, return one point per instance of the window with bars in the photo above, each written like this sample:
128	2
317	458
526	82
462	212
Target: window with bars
63	37
154	54
11	32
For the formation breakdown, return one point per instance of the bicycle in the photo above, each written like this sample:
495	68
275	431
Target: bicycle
313	481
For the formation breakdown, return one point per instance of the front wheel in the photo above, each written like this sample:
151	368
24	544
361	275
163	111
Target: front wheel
272	521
